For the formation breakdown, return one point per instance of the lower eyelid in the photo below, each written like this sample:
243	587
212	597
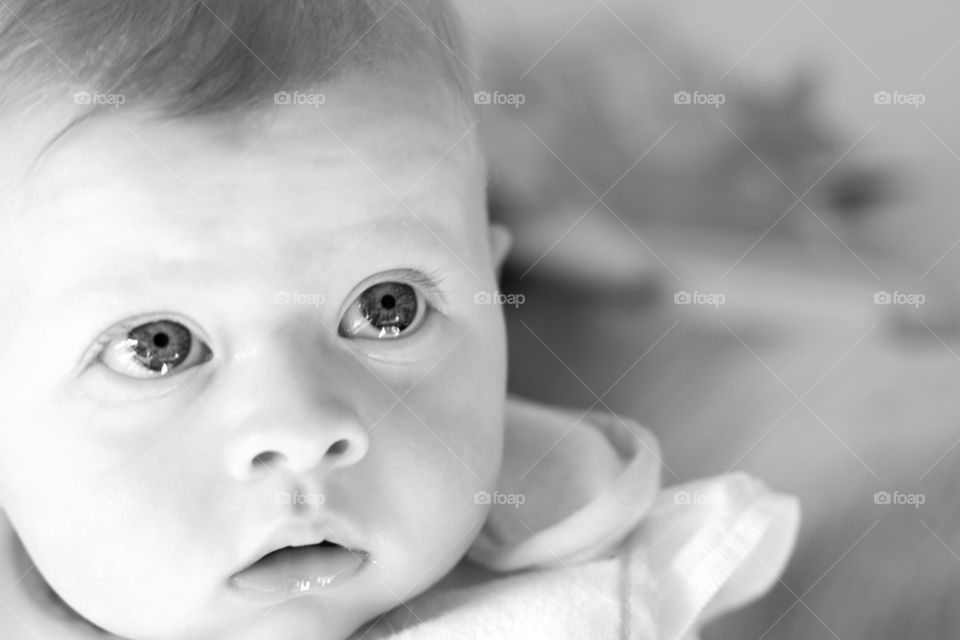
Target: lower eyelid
105	386
399	349
92	354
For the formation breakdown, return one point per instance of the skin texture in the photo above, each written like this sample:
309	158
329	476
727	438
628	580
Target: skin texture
138	498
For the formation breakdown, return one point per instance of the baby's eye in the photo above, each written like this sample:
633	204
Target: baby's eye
384	311
154	349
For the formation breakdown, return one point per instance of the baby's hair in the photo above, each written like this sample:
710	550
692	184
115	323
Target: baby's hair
198	57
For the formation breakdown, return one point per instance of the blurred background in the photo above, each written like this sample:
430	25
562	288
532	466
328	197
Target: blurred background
735	223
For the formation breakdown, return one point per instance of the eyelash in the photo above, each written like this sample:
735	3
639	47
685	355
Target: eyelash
429	282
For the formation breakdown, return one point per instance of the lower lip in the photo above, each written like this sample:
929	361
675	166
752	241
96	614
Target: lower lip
300	571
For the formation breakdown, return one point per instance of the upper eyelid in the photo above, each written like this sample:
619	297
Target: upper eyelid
129	324
429	282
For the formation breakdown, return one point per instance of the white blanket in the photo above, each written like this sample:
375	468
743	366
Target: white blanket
597	549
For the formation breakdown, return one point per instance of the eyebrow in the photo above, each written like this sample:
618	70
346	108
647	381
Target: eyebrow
114	276
57	137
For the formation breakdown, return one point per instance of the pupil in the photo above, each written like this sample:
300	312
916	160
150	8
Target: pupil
160	346
389	307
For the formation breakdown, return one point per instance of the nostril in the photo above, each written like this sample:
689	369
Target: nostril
339	447
301	458
267	459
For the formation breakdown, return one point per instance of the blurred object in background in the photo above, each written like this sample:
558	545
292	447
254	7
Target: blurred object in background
730	226
601	138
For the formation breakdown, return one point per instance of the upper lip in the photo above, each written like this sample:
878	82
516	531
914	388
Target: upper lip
299	535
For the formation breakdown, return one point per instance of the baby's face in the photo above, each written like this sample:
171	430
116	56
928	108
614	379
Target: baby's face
224	341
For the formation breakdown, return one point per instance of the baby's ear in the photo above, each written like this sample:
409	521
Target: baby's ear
500	241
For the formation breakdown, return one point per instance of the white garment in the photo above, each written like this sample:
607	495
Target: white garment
595	548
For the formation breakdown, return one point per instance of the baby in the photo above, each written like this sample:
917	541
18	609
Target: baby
251	387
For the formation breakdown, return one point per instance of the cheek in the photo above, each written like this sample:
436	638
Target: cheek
464	395
125	499
428	509
140	555
453	425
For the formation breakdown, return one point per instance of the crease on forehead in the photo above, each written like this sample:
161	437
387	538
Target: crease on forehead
230	254
402	142
282	171
299	146
225	251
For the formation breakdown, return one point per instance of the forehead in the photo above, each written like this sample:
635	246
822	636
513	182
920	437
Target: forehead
319	172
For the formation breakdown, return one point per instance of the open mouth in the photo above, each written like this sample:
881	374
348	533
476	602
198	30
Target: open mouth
296	571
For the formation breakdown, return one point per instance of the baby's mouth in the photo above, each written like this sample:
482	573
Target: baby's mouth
297	571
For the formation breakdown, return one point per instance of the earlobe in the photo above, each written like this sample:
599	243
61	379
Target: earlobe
500	242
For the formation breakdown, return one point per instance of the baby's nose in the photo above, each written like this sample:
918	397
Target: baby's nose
300	449
287	419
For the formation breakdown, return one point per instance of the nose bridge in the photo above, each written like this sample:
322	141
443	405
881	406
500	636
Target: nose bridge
300	377
292	410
